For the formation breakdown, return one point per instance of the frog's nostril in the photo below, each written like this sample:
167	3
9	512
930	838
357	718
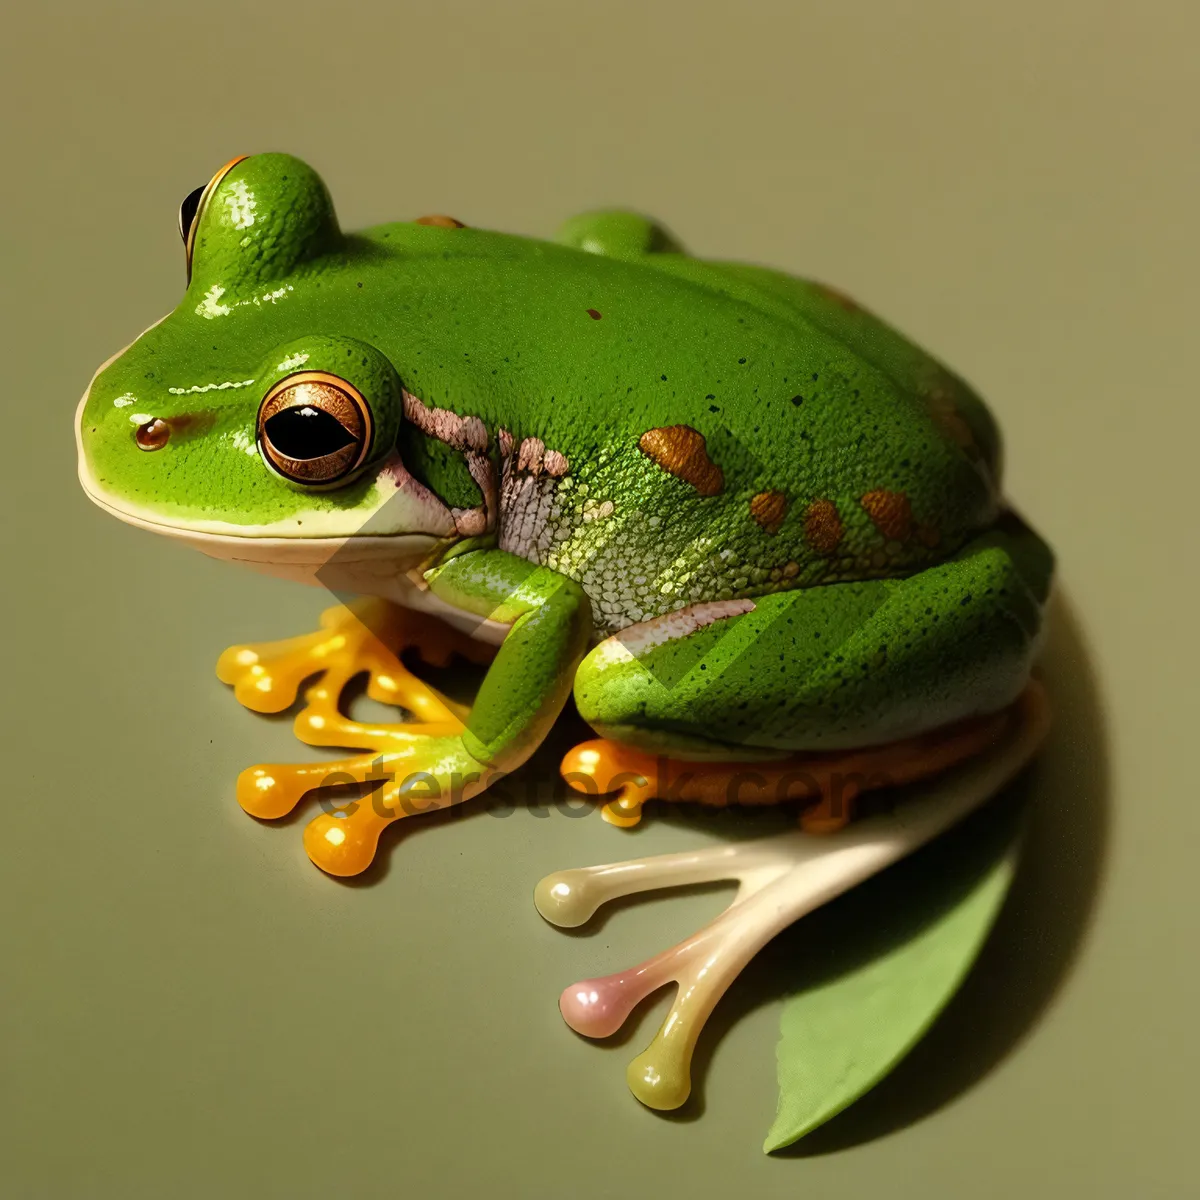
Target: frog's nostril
153	435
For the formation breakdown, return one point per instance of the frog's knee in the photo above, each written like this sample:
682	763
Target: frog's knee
649	686
617	234
608	687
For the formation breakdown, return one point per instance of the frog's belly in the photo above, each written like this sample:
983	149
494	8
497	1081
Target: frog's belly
347	567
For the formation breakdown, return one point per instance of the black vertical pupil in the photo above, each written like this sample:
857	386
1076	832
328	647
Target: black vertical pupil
303	432
187	211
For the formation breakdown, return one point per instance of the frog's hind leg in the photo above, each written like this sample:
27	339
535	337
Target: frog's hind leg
780	879
814	694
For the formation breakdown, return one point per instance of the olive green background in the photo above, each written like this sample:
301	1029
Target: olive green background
189	1009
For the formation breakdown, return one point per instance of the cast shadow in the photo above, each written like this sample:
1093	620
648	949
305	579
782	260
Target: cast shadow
1032	948
1025	961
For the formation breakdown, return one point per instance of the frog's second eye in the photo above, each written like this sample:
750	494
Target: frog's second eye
314	429
193	205
188	210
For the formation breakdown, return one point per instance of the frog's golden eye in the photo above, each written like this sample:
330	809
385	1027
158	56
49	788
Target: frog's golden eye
193	206
314	429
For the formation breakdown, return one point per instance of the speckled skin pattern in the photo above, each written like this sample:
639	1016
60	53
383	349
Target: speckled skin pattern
662	431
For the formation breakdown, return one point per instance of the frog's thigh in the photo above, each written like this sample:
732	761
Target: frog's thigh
841	666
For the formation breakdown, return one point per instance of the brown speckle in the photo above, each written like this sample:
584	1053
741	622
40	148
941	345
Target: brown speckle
928	534
834	296
890	513
438	221
473	434
769	509
469	522
531	455
591	312
949	420
823	526
681	452
463	433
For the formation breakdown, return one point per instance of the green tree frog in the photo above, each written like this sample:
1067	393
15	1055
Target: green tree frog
755	531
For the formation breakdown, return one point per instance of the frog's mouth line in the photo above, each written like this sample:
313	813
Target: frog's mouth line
253	548
400	552
387	566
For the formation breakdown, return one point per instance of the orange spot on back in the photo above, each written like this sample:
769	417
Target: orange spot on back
441	222
769	509
890	513
681	452
822	526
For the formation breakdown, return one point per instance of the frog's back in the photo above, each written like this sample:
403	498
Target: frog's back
675	431
817	374
741	432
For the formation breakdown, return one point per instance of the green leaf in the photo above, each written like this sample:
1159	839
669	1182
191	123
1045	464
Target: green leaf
889	956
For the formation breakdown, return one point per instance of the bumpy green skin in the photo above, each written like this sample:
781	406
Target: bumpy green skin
837	667
889	594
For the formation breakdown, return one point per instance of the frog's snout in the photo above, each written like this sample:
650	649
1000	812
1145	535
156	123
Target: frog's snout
331	550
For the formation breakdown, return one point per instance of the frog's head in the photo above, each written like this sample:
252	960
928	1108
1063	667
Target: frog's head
251	421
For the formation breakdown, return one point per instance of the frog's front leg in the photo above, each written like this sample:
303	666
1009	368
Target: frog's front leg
451	754
365	636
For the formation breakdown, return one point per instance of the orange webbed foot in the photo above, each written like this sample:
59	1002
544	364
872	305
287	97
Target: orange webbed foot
366	638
